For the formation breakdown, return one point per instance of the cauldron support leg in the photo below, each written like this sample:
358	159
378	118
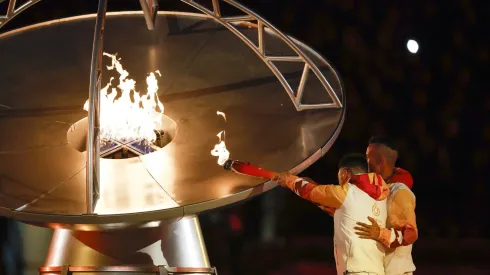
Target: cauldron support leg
177	244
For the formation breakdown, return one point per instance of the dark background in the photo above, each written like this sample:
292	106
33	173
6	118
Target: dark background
435	104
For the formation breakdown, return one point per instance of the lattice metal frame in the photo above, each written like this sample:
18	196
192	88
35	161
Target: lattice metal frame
150	9
263	26
12	11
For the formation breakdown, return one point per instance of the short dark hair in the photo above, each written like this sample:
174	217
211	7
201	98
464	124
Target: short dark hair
383	140
354	161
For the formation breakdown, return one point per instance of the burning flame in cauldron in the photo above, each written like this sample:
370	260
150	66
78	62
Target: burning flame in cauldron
125	118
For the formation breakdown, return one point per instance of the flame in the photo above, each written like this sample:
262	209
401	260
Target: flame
220	150
123	118
221	114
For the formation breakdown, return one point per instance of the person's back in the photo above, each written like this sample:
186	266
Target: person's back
398	260
354	254
402	231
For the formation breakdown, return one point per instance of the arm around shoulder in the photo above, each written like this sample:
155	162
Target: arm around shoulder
402	217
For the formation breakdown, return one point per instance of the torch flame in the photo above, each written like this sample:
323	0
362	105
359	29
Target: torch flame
221	114
126	119
220	150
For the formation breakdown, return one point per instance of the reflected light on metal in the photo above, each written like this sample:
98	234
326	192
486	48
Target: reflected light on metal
152	58
93	139
133	177
154	251
189	238
58	244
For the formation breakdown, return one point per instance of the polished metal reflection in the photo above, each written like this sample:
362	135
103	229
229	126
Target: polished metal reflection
184	244
200	77
122	269
150	10
178	244
93	139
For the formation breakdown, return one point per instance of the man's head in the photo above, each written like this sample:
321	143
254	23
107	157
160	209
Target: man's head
351	164
381	156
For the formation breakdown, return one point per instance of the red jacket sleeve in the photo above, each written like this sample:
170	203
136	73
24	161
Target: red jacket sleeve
328	195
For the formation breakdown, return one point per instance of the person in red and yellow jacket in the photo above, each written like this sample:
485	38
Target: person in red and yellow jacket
401	230
353	255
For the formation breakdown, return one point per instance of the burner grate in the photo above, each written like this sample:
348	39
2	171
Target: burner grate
123	149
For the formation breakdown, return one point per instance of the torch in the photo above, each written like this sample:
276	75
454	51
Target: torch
238	167
248	169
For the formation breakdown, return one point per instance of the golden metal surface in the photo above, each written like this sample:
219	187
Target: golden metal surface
204	69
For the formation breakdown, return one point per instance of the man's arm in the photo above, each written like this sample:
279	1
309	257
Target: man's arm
403	221
330	210
331	196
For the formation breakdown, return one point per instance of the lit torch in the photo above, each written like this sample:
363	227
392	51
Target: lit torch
236	166
248	169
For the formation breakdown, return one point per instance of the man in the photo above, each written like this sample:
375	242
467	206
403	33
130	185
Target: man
353	255
402	231
381	156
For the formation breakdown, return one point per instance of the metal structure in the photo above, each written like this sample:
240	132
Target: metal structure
93	139
150	8
160	270
164	190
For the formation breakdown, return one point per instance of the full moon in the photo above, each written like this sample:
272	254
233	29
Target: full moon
412	46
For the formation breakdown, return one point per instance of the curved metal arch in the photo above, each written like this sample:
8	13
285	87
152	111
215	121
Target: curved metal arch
12	11
260	51
227	22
